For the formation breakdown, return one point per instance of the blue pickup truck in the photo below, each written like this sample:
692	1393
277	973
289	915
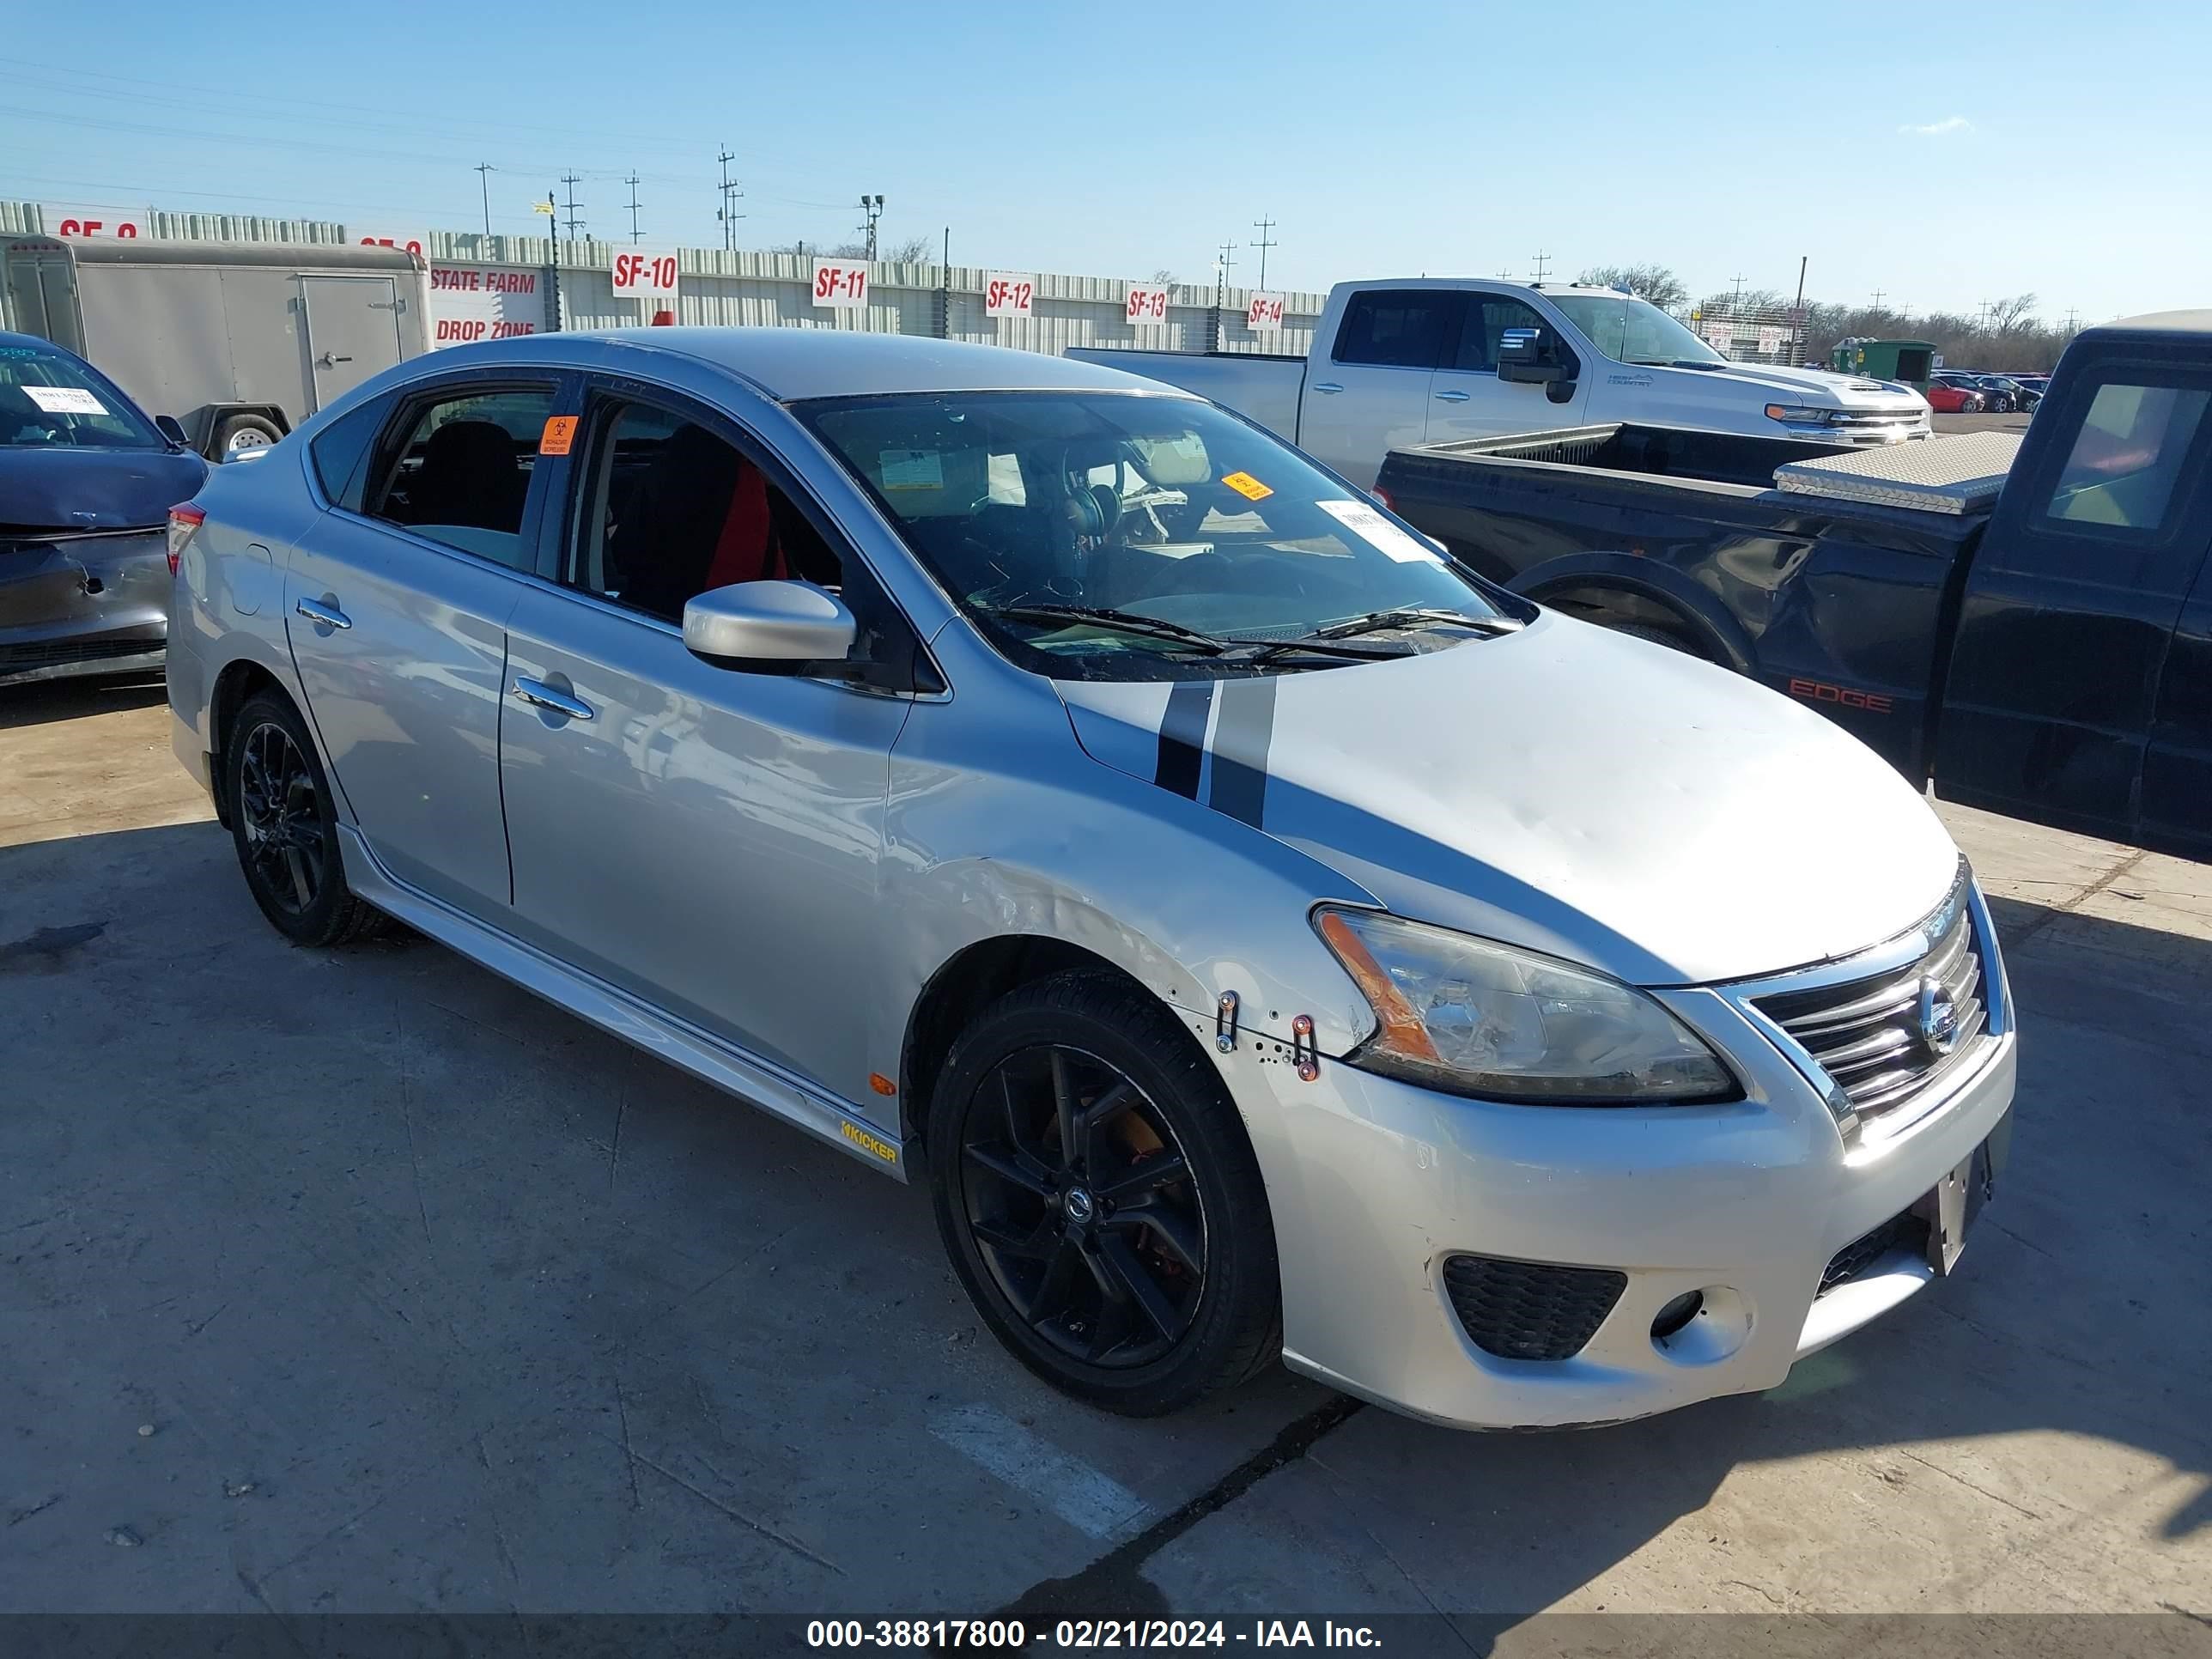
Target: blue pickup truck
2033	632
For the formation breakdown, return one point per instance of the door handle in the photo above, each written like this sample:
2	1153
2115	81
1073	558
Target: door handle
539	694
322	615
330	361
1453	397
1328	386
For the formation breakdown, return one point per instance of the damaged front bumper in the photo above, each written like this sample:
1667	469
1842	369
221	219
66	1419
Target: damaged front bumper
92	602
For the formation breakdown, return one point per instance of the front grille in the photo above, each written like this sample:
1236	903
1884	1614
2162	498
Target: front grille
1867	1034
1906	1232
47	653
1527	1310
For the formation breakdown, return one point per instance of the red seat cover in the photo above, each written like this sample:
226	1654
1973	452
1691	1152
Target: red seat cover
747	550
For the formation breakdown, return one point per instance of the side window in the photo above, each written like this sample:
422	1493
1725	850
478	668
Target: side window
1396	328
461	471
668	508
340	452
2120	475
1488	316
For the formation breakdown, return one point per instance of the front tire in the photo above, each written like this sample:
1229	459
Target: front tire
284	825
1099	1199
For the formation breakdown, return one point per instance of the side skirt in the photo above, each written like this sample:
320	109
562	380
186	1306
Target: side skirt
723	1064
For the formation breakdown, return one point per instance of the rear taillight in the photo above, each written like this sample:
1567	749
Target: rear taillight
184	518
1383	496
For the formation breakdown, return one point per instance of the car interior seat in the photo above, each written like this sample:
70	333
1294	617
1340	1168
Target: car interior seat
469	475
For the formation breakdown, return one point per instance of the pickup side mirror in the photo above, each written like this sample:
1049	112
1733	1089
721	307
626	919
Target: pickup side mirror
173	429
1530	356
768	627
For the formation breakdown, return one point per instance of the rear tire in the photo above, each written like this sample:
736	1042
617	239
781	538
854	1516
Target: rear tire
1099	1199
284	825
1672	641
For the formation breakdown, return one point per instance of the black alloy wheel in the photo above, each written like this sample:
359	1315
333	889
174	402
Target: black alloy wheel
1099	1198
1083	1203
280	810
284	825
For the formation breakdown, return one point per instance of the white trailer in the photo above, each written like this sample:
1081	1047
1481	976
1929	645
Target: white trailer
239	341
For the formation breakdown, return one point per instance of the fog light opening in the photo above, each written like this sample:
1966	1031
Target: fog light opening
1676	1314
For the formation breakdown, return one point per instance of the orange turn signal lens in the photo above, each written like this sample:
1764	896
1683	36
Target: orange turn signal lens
1401	1030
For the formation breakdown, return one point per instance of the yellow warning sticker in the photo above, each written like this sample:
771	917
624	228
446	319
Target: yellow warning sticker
560	434
1247	486
874	1145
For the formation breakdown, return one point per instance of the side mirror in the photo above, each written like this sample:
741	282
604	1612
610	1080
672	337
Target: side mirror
1529	357
767	625
173	429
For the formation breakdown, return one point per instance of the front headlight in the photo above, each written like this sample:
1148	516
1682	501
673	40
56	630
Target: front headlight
1463	1014
1802	414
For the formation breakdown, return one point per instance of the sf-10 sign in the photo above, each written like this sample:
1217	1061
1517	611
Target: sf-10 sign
1147	304
841	284
642	276
1265	314
1008	293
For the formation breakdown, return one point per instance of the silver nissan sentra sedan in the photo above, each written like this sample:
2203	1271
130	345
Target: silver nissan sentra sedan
1263	936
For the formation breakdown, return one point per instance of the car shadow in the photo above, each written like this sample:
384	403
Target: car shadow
391	1166
44	702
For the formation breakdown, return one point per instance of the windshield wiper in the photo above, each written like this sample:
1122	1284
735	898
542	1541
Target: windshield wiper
1127	622
1375	622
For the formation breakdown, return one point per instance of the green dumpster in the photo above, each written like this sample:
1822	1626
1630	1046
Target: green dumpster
1910	361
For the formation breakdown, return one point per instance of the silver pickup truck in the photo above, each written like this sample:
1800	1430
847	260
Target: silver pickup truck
1433	360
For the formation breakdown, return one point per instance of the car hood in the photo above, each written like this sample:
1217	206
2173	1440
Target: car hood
1563	788
79	490
1814	387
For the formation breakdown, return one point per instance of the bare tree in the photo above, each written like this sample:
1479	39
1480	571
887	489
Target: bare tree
1656	283
1729	303
1163	277
913	251
2013	315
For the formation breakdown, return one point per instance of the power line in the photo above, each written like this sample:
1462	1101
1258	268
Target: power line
1263	226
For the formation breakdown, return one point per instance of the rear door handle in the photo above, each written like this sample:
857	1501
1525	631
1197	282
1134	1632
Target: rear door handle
1328	386
1453	397
322	615
539	694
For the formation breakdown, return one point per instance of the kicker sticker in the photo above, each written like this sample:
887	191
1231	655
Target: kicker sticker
874	1145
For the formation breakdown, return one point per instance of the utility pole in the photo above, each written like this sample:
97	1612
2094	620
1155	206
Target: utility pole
1543	268
635	236
1736	300
484	171
1226	258
727	212
1803	260
1878	293
1263	226
575	224
873	207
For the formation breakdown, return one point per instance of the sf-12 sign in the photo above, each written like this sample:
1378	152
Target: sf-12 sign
1008	293
842	284
1265	314
1147	304
641	274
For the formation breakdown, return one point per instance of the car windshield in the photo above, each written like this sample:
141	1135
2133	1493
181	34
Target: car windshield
1194	541
51	400
1632	330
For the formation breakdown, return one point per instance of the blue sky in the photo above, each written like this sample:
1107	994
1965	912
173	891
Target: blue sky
1944	153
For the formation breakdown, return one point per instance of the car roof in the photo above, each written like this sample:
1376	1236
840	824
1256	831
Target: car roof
789	364
2159	322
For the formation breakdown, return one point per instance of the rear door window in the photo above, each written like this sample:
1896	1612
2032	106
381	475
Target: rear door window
1397	328
2120	476
459	472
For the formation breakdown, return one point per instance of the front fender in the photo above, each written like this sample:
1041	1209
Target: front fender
1707	619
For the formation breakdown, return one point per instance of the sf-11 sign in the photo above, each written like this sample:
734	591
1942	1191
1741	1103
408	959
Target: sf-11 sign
1265	314
639	275
1008	293
841	284
1147	304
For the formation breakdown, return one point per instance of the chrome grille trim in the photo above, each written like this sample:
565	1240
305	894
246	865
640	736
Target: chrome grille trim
1851	1025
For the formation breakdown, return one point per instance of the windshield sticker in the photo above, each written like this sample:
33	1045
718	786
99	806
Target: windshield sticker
1370	526
65	400
912	469
1247	486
